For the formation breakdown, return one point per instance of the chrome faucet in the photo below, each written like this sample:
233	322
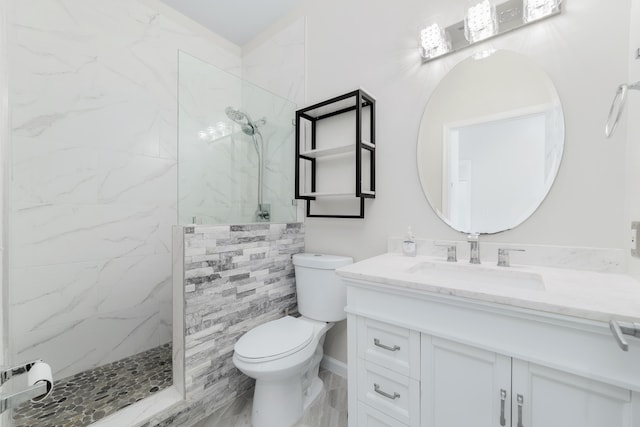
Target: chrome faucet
451	251
474	248
503	256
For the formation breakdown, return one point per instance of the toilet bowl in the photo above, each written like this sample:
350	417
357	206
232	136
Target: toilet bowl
285	366
284	355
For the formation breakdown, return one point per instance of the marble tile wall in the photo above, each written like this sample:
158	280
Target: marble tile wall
93	192
278	65
210	188
235	278
218	176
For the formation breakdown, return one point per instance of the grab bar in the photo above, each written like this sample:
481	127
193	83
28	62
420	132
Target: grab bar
619	101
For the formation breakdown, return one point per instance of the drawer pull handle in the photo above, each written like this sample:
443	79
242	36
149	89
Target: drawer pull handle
377	343
394	396
520	400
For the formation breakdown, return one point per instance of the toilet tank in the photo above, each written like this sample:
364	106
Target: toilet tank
321	293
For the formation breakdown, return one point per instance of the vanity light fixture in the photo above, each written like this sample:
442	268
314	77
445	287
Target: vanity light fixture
433	41
484	19
538	9
480	21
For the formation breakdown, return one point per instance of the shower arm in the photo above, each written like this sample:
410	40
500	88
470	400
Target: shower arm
619	100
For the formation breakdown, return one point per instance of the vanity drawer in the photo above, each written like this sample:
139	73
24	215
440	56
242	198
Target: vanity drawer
395	395
370	417
391	346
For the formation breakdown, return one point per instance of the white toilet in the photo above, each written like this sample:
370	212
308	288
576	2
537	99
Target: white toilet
284	355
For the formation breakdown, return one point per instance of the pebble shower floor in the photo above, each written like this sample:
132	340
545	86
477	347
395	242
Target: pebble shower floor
84	398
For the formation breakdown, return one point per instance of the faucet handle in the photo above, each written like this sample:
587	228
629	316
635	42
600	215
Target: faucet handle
503	256
451	250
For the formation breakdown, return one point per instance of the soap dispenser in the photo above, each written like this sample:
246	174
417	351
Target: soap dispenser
409	244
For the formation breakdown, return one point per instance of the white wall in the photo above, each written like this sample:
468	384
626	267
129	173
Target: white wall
4	136
373	44
93	89
631	122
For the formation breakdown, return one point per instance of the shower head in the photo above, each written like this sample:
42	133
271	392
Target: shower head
237	115
242	119
247	125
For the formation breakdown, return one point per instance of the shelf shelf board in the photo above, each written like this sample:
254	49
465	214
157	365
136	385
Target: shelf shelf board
338	105
334	151
336	194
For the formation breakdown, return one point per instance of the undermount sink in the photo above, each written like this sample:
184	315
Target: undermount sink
468	275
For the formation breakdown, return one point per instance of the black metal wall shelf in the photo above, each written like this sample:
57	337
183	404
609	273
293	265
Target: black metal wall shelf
357	101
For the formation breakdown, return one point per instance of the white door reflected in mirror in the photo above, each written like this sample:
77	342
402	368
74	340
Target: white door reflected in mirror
490	144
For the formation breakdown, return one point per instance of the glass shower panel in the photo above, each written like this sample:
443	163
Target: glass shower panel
235	149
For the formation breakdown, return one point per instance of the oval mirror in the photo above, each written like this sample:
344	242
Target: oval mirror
490	143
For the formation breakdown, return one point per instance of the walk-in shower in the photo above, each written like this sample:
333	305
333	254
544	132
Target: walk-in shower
235	149
250	128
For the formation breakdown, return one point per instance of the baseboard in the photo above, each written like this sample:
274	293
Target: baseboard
334	365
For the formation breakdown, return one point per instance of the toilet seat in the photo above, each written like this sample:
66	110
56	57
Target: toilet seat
274	340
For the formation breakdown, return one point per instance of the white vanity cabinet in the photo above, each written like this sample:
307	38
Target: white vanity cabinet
550	397
463	385
432	360
467	386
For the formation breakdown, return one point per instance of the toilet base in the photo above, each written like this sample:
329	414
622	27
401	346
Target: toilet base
313	393
268	409
282	403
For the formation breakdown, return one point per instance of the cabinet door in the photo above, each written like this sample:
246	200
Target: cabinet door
544	397
463	385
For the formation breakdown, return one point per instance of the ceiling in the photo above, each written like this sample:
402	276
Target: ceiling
236	20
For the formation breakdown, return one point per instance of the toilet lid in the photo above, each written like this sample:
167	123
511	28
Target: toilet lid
275	339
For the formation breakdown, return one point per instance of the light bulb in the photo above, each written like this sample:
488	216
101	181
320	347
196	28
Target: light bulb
537	9
480	21
434	41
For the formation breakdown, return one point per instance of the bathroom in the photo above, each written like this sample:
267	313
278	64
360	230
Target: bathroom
90	154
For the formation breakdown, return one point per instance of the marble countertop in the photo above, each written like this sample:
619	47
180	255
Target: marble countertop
589	295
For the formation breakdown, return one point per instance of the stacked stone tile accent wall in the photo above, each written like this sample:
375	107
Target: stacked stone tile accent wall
236	277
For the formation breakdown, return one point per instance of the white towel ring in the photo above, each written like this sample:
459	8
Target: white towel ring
619	101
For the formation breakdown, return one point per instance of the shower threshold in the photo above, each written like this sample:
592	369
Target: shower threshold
89	396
